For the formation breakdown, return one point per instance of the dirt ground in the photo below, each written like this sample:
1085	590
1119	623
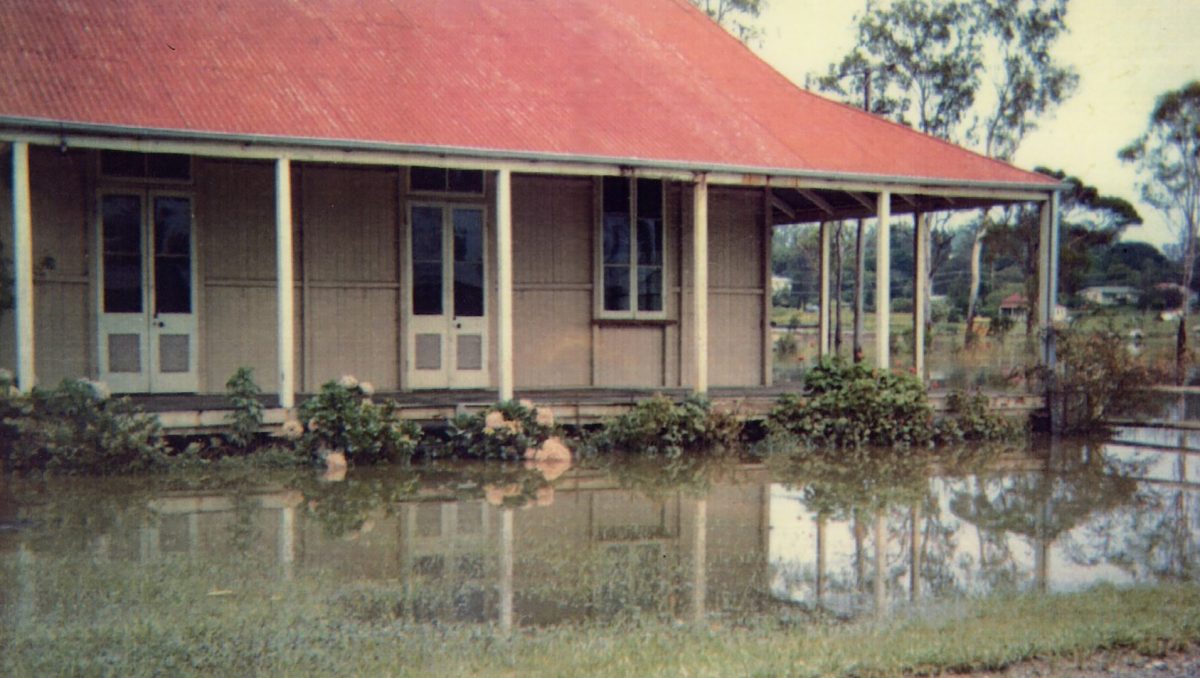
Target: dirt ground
1122	663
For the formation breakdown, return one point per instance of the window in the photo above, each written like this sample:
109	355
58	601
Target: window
151	166
631	248
442	180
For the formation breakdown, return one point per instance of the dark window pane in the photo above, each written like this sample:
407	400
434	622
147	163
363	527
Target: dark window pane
616	288
466	181
122	233
468	235
616	239
172	285
427	178
650	242
616	195
122	283
169	166
649	289
468	289
427	288
173	226
649	199
122	164
427	234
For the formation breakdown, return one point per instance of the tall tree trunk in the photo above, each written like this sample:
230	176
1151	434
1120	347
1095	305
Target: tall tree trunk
1181	342
860	276
976	265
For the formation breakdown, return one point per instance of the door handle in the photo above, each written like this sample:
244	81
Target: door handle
159	324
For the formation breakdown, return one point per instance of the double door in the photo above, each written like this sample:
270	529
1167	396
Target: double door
147	293
447	328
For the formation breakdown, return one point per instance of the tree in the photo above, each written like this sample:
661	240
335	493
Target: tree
736	16
974	72
1167	158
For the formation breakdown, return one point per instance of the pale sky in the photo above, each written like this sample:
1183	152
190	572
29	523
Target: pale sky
1126	52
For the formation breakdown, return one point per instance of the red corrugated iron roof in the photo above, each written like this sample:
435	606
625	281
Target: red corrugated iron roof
648	80
1014	300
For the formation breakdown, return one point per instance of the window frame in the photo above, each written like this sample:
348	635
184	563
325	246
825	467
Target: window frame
145	179
633	314
445	193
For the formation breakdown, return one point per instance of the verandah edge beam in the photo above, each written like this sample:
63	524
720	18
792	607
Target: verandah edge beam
284	284
504	295
700	283
883	275
23	266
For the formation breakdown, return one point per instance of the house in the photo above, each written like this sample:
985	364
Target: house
1014	306
1110	295
429	195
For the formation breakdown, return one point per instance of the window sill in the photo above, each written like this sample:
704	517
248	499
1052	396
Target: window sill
634	322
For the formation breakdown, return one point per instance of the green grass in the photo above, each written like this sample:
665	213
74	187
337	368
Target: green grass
164	619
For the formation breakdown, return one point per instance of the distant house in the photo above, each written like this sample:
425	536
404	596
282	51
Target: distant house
1014	306
439	194
1110	295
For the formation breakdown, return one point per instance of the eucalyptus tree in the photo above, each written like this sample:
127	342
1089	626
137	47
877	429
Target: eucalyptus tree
979	73
1167	158
736	16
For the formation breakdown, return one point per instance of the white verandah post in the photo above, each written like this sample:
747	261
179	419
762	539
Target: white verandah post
823	302
504	295
284	283
22	266
920	282
1048	277
700	282
883	274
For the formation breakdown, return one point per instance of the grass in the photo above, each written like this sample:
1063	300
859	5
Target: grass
181	618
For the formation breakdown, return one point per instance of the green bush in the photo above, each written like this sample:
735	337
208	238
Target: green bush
1099	378
968	418
849	405
503	431
343	418
659	426
246	416
76	428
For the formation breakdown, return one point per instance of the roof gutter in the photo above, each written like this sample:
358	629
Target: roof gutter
12	128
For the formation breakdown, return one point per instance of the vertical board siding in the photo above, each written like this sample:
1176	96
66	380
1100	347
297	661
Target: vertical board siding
235	233
552	273
353	331
631	356
735	313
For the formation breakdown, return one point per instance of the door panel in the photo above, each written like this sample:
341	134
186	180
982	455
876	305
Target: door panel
447	328
147	323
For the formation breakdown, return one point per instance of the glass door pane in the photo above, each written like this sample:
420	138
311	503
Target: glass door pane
468	263
172	255
121	223
427	260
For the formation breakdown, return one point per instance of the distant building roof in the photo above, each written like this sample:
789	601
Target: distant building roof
649	81
1015	300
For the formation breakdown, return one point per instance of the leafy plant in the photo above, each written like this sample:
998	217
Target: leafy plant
502	431
969	418
659	426
1099	377
849	405
246	417
343	418
76	428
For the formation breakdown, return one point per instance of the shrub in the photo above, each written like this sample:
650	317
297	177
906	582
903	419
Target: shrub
76	428
1100	378
502	431
786	346
659	426
246	417
343	418
969	419
849	405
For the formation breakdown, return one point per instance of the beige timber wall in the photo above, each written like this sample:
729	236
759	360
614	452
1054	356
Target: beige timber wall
735	281
62	296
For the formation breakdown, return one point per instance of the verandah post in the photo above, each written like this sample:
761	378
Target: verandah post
883	274
504	300
700	282
823	303
284	283
920	283
23	266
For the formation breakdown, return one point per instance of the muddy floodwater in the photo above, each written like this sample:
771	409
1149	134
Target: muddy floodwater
502	547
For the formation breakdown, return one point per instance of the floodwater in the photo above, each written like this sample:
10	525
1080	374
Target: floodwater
502	547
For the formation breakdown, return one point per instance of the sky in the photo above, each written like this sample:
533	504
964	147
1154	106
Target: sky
1127	53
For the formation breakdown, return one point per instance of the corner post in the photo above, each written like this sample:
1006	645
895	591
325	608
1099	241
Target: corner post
23	266
883	275
1048	277
920	283
700	282
504	295
823	303
285	283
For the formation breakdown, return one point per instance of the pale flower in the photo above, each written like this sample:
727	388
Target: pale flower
291	429
526	403
347	381
493	421
367	388
5	374
313	424
545	416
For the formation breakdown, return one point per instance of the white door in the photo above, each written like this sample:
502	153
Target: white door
147	318
447	328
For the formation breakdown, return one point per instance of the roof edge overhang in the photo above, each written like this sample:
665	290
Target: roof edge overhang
266	147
